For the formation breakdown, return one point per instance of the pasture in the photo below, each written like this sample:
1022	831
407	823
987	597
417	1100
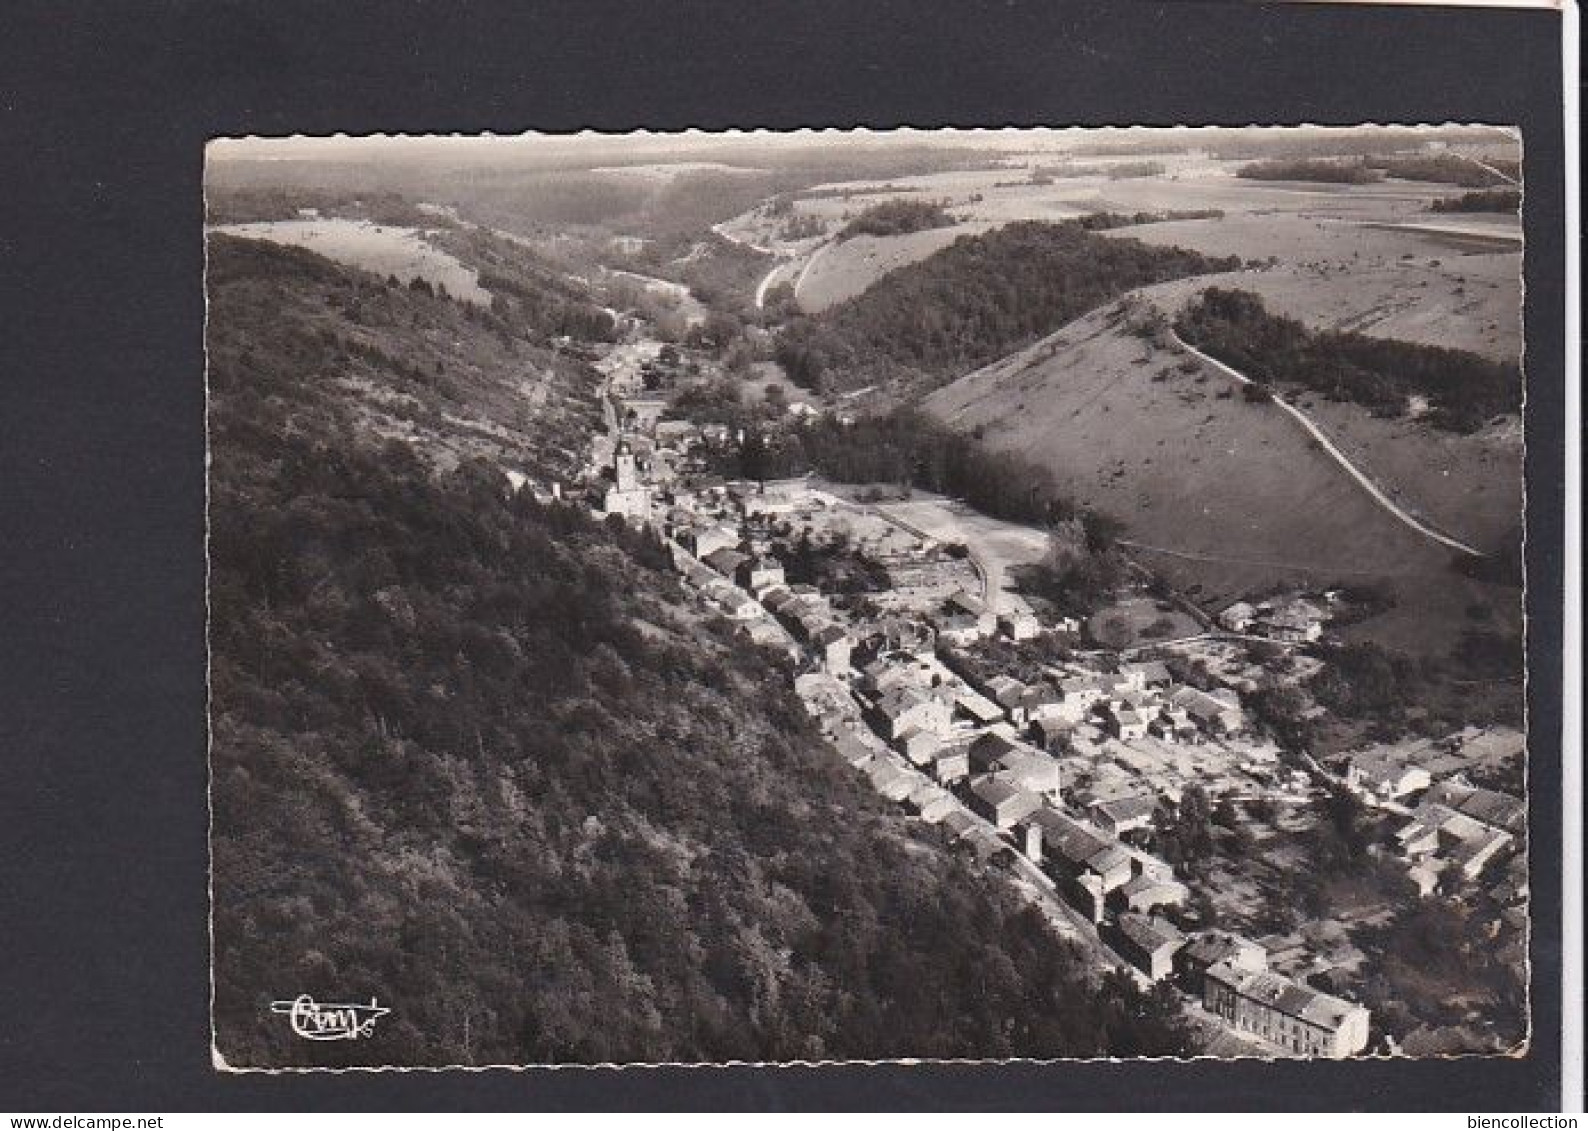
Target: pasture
377	248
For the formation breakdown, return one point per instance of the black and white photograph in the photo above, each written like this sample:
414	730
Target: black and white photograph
823	596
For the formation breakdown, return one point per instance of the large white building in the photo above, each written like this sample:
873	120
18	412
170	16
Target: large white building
1284	1014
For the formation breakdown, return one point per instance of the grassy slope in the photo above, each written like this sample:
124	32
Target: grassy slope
1189	471
842	271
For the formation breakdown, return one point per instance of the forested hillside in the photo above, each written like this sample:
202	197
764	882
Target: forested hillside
978	299
478	758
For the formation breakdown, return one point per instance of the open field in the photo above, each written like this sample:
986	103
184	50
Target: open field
376	248
997	546
840	271
1140	620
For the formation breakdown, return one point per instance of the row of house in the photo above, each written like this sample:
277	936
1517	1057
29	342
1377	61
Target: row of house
1095	870
1230	975
1458	830
1137	700
1292	620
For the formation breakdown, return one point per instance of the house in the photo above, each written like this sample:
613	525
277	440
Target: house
1439	833
1295	621
1148	943
1207	949
957	629
1500	810
1019	624
890	781
918	745
1007	692
1086	863
1173	724
1385	772
962	603
1002	801
951	764
1080	694
1237	617
725	561
1285	1014
852	750
765	633
959	822
733	602
1040	701
760	573
1125	720
1214	712
1123	814
904	708
833	647
978	709
988	751
1148	892
1033	771
1145	674
777	600
1051	731
933	803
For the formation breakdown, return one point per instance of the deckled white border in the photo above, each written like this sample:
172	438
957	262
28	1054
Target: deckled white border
218	1060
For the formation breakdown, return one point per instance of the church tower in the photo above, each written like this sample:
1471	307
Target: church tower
628	472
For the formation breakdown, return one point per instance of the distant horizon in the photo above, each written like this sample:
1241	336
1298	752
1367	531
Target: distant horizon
642	146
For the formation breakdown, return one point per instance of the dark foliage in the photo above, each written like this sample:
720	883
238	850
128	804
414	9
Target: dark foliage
1440	168
1495	200
1319	170
1464	389
896	218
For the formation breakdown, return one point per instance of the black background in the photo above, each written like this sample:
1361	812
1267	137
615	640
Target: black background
105	109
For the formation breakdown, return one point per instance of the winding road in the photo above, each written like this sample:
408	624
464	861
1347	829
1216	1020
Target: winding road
1338	456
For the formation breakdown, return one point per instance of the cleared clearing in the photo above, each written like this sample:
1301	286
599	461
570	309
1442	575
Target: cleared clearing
998	546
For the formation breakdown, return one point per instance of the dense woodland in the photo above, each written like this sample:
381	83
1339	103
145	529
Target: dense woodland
1493	200
1437	168
1448	169
1464	391
477	757
896	218
979	299
1320	170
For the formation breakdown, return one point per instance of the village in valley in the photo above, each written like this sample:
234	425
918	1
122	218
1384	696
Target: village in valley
1058	763
1136	520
